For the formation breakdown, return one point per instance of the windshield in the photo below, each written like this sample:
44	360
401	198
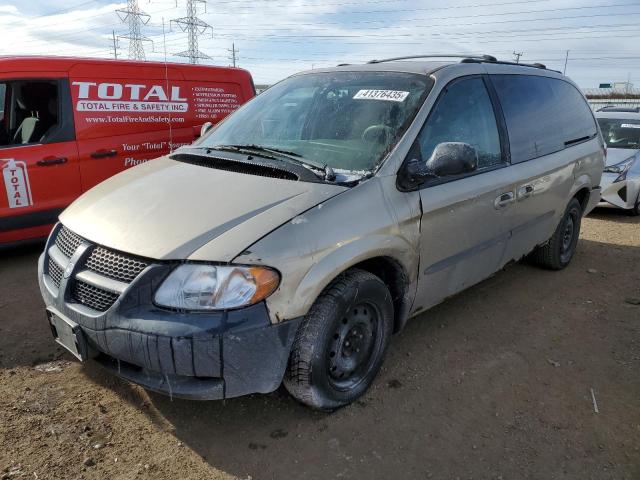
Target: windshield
620	133
346	120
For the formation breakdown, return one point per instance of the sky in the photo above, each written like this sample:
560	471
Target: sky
276	38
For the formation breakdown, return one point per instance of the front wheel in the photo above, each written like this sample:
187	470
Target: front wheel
557	253
341	343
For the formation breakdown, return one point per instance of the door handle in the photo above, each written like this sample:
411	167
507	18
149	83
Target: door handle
48	161
104	153
504	200
525	191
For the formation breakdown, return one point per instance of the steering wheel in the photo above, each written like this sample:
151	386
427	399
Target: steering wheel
377	133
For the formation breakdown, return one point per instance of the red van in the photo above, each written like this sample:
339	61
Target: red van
67	124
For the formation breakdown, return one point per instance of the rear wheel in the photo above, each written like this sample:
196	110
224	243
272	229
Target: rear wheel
557	253
341	343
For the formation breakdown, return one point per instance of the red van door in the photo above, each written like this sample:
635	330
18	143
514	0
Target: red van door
38	156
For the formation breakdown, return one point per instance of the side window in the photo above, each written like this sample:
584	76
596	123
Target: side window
577	119
4	133
31	113
463	113
543	115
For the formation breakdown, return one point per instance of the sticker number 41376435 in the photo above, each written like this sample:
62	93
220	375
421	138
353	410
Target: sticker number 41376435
16	182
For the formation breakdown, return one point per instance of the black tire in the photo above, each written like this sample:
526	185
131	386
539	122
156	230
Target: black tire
341	343
557	253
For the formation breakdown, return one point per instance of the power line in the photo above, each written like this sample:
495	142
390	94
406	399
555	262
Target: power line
254	27
194	28
135	18
429	9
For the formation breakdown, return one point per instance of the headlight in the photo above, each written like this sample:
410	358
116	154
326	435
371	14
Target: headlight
622	167
209	287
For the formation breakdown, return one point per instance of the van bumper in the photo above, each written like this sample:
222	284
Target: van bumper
198	356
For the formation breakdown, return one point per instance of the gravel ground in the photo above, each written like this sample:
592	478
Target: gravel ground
495	383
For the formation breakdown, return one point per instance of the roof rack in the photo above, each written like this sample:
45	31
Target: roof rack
486	58
467	59
615	108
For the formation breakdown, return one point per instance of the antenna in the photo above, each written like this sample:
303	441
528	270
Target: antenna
234	54
194	28
166	80
135	18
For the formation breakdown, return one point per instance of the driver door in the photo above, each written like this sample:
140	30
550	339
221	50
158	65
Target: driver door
465	218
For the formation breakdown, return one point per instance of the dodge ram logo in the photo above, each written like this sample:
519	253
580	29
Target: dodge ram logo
68	270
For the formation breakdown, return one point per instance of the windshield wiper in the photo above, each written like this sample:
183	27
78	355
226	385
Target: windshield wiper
327	171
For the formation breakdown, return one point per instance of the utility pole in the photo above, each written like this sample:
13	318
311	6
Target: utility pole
517	56
115	45
194	28
566	59
234	53
135	18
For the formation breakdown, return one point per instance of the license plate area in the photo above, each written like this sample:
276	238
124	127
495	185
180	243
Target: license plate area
68	334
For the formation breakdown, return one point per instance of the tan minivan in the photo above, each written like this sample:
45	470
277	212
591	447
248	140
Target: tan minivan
291	241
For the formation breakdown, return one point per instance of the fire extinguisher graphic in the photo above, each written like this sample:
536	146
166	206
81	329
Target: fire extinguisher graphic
16	182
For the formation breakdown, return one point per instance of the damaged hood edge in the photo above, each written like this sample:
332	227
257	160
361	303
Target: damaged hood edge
168	210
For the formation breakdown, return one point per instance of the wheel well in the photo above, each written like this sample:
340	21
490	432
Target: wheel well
395	278
582	196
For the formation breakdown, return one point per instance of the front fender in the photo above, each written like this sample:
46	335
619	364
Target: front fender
371	220
345	257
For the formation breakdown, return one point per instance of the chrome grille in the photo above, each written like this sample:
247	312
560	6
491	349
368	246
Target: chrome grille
103	261
67	241
115	265
55	272
93	297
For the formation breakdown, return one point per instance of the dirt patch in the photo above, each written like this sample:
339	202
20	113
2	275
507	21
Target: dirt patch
494	383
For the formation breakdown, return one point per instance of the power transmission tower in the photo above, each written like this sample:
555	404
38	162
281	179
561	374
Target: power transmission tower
194	28
135	18
516	56
233	53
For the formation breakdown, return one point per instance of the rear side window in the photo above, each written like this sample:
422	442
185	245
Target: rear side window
543	115
578	122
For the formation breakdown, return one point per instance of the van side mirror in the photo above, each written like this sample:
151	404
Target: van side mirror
205	128
448	158
452	158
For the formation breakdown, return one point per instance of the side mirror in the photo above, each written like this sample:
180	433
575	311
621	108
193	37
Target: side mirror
452	158
205	128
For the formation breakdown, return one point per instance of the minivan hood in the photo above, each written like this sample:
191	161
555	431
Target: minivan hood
617	155
165	209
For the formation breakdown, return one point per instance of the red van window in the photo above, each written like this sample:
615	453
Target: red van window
30	112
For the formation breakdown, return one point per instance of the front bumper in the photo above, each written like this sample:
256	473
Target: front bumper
622	194
203	356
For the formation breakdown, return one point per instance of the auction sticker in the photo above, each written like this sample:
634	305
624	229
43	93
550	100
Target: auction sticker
387	95
16	182
630	125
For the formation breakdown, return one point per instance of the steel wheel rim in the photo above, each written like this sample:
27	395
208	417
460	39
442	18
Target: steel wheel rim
567	238
352	346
